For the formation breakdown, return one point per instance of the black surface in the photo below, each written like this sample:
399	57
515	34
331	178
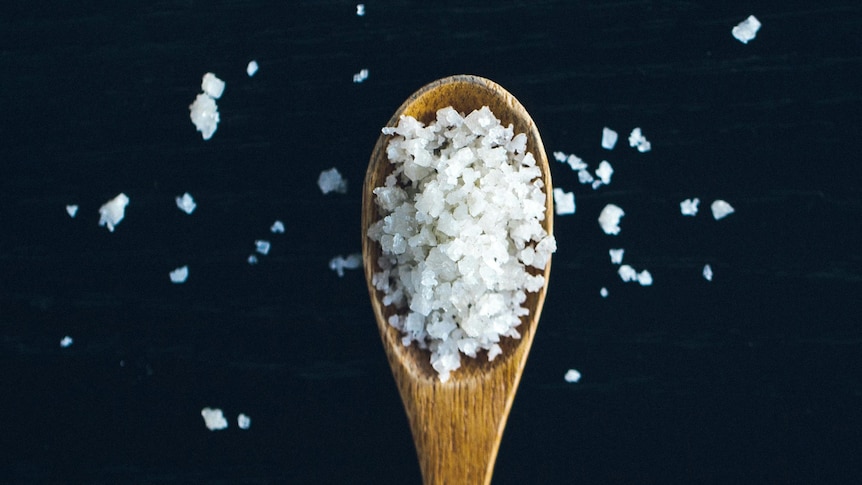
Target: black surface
751	378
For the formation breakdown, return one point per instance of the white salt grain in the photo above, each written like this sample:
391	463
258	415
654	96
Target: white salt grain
113	211
252	68
277	227
332	181
645	278
564	202
721	209
360	76
339	263
609	219
688	207
637	140
186	203
460	222
179	275
609	138
627	273
72	210
212	86
747	29
603	292
707	272
214	419
262	246
604	172
66	342
585	177
252	259
572	376
243	421
204	114
616	255
360	9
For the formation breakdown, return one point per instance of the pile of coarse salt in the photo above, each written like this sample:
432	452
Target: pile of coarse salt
460	225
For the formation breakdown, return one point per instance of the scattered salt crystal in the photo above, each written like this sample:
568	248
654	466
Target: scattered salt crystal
560	157
262	246
339	263
603	292
572	376
576	163
214	419
688	207
212	86
604	172
252	259
747	29
564	202
180	275
645	278
331	181
627	273
616	255
243	421
721	209
186	203
637	140
113	211
585	177
67	341
609	219
277	227
707	272
609	138
360	76
360	9
72	210
204	115
252	68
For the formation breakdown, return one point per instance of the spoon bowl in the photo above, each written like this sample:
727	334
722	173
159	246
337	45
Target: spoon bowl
457	425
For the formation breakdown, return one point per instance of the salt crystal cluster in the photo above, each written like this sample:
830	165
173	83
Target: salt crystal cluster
340	263
627	274
360	76
747	29
688	207
204	111
460	225
113	211
332	181
639	141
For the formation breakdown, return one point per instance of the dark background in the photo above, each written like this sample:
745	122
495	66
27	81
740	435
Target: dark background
751	378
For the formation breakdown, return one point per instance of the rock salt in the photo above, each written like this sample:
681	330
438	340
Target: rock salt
564	202
360	9
609	219
262	246
747	29
721	209
113	211
688	207
72	210
637	140
360	76
332	181
339	263
604	172
609	138
204	111
277	227
212	86
707	272
66	342
572	376
616	255
603	292
243	421
179	275
251	68
214	419
186	203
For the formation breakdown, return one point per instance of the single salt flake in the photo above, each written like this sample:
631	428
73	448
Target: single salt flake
72	210
609	138
360	9
332	181
214	419
277	227
616	255
688	207
707	272
186	203
243	421
340	263
564	202
251	68
262	246
747	29
179	275
360	76
572	376
113	211
66	342
721	209
609	219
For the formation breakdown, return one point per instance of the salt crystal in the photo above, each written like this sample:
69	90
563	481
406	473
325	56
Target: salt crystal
243	421
214	419
637	140
204	114
585	177
645	278
616	255
262	246
179	275
66	342
609	219
252	259
721	209
604	172
252	68
747	29
339	263
564	202
688	207
360	9
72	210
707	272
576	163
603	292
627	273
277	227
360	76
609	138
212	86
560	156
186	203
113	211
572	376
332	181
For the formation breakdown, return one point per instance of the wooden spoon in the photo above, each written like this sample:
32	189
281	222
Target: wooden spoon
457	425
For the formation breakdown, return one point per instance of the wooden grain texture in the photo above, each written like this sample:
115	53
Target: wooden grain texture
457	426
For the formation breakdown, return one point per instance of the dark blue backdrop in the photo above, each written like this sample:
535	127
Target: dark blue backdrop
751	378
